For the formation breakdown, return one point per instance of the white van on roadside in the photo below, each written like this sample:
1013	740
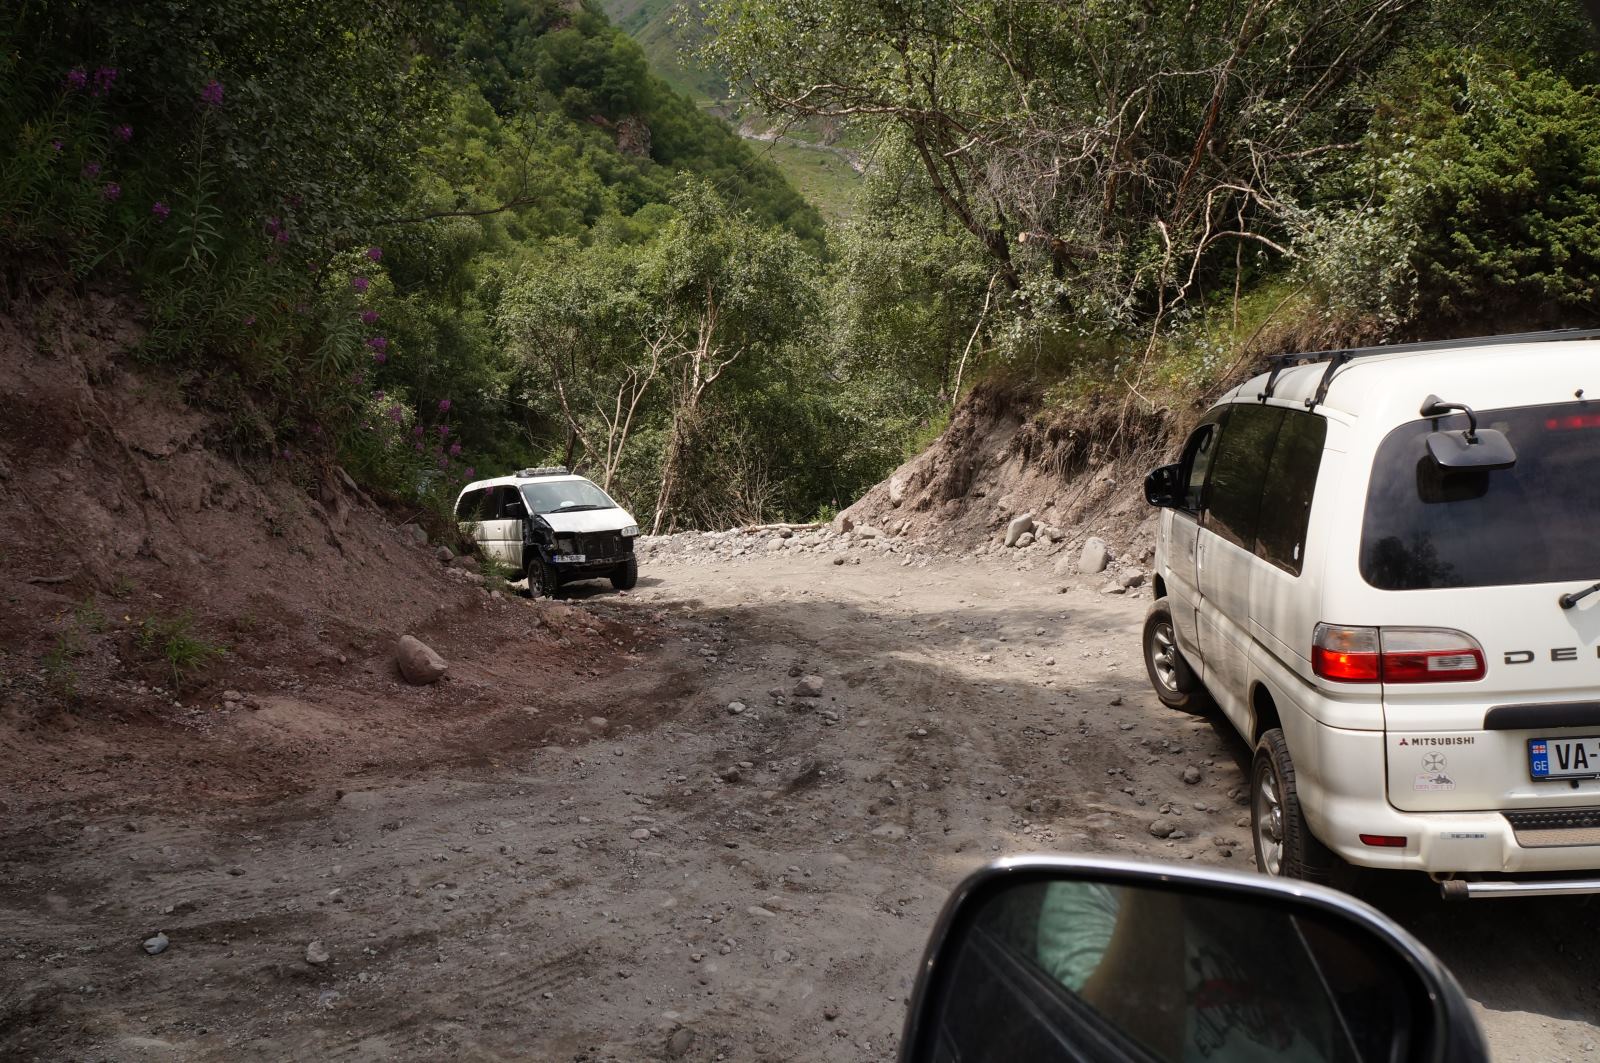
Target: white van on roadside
1382	565
552	527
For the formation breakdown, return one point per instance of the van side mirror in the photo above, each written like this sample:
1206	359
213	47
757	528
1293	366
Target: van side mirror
1164	486
1079	958
1469	448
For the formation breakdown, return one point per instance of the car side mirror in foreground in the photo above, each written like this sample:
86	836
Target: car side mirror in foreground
1164	486
1066	958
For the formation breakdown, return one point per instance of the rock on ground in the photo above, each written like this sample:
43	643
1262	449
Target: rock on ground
1094	557
1017	527
417	661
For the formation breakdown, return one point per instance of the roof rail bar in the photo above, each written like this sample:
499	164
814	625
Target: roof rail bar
1339	356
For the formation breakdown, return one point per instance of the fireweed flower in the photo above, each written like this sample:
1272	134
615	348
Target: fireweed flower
444	431
160	210
281	236
444	462
397	413
124	132
417	431
92	170
379	357
76	79
369	317
112	191
378	343
360	284
375	253
211	95
57	145
417	447
444	405
455	449
471	472
104	78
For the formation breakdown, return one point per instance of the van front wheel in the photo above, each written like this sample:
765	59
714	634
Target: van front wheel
626	575
1284	843
1174	681
542	580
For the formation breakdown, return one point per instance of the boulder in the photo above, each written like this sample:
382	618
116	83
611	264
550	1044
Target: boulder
1095	556
867	531
1064	567
464	561
810	686
1131	578
418	536
1025	540
417	662
1018	527
897	490
444	554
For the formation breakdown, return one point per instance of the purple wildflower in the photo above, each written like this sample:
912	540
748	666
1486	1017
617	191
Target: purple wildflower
378	396
379	357
281	236
471	472
455	449
397	413
360	284
369	317
211	95
92	170
444	431
378	343
160	210
286	455
104	78
57	145
375	253
417	431
444	405
76	79
123	132
417	447
112	191
444	462
272	224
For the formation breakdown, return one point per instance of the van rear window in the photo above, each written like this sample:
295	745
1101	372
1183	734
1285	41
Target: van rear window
1535	522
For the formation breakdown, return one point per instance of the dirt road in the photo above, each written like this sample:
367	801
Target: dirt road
720	870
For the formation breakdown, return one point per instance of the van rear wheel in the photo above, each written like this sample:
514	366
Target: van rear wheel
1284	843
1174	681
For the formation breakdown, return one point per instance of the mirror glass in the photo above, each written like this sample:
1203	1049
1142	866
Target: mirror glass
1163	486
1061	969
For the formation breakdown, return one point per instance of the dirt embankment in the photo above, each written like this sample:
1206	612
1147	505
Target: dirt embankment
1005	455
131	541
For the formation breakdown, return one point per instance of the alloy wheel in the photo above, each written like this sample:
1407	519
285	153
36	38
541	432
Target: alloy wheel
1268	820
1164	656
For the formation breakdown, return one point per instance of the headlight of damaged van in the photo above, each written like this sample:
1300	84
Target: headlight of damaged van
564	544
630	531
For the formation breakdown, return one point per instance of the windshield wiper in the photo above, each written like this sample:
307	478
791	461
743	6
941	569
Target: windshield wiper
1567	601
579	508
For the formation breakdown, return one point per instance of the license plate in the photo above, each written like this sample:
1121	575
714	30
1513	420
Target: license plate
1564	758
570	557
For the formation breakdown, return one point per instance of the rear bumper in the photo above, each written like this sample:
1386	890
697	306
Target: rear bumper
1344	794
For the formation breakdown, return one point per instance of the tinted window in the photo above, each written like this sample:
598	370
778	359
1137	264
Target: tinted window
1239	472
1531	523
1291	480
1197	455
467	505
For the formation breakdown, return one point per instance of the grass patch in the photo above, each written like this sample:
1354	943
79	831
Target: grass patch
172	641
827	181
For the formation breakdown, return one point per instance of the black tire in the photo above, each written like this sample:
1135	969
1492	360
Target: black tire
1284	843
1170	675
542	580
626	575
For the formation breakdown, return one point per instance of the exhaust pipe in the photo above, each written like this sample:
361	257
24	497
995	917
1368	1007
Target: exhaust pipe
1460	889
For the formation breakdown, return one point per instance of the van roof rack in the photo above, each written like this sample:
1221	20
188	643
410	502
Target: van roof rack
1341	355
544	470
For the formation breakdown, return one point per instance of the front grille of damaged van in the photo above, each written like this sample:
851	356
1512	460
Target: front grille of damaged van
1550	828
600	546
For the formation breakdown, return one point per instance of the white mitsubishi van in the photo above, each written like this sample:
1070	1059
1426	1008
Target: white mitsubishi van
1382	565
552	526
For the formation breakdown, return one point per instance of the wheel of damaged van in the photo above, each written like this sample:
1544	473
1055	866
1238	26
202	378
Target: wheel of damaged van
1174	681
542	580
626	575
1284	843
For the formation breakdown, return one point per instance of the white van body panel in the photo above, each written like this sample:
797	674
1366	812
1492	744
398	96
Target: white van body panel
1368	757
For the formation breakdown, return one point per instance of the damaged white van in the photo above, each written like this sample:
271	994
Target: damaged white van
551	526
1384	566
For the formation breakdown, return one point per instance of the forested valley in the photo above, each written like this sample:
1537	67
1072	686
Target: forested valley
435	242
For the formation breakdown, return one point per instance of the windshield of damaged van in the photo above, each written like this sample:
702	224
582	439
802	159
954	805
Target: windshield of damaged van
565	496
1535	522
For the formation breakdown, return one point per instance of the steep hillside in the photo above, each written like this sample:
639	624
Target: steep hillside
178	617
669	40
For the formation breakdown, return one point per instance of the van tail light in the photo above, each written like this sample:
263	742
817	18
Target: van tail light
1395	655
1346	654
